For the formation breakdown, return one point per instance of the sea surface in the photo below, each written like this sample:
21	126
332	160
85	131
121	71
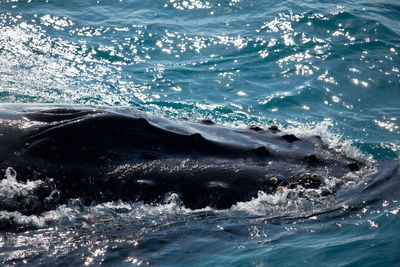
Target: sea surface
330	68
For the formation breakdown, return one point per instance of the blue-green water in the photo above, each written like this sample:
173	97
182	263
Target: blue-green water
312	67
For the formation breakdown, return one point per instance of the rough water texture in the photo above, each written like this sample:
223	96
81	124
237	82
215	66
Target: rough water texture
311	67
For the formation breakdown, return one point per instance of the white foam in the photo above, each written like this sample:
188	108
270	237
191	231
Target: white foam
14	194
286	202
76	213
335	141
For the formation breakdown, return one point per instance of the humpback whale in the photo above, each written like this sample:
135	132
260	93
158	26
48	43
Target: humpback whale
105	154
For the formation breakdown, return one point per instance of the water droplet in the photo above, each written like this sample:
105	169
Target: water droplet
11	173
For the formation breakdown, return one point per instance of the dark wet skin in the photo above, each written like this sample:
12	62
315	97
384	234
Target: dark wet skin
102	155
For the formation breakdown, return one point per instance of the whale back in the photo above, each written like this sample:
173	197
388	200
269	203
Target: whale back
102	155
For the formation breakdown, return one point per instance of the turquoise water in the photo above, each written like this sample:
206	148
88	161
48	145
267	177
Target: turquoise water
312	67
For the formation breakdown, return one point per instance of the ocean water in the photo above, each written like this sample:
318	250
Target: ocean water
311	67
